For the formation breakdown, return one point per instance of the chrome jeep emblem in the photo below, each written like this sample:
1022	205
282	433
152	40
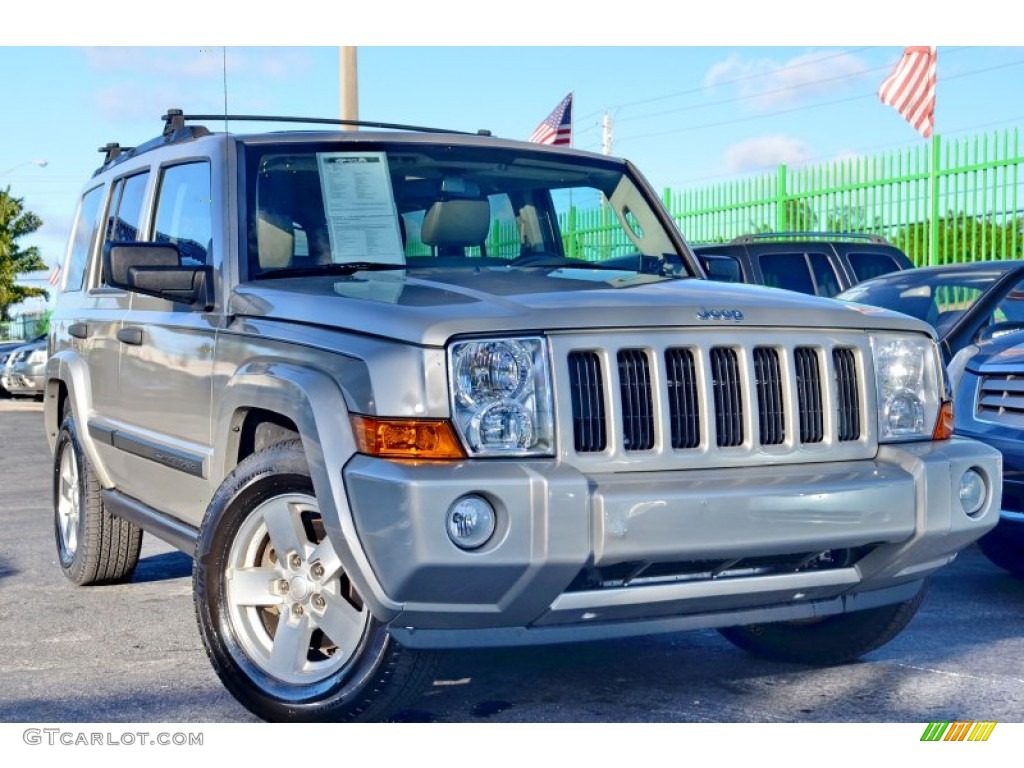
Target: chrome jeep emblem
720	314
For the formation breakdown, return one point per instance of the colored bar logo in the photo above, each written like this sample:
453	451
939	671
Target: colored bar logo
959	730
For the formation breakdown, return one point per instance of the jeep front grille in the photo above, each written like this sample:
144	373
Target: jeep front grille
773	399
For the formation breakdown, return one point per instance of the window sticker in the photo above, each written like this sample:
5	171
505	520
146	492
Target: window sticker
362	220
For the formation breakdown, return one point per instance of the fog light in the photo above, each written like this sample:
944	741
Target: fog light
972	492
470	522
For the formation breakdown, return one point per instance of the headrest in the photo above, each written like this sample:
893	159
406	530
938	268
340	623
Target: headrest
456	223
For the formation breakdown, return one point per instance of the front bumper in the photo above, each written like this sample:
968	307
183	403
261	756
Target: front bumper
578	556
24	382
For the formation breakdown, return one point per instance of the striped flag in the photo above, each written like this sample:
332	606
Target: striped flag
54	277
910	89
557	127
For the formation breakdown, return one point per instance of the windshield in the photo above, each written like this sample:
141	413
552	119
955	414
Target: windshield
390	206
937	297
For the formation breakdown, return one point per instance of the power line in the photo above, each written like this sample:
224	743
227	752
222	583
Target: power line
810	106
745	78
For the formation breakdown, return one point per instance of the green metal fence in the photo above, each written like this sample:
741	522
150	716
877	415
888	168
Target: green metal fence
25	328
941	202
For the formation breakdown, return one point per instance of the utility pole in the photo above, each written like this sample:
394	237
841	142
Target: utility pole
349	86
606	134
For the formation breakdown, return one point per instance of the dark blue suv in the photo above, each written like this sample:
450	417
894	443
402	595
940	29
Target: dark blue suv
990	407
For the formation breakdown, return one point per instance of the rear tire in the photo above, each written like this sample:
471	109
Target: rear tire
93	546
829	640
284	627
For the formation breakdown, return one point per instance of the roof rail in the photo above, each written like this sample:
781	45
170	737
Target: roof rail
871	238
175	119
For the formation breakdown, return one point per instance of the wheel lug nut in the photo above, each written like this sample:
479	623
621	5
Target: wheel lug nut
295	561
283	585
319	602
297	609
317	570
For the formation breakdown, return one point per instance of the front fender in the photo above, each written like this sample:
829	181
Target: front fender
313	401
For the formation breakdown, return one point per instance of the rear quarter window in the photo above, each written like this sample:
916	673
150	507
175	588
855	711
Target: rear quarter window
868	265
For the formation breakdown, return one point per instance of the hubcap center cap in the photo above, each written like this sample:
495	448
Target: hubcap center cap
299	588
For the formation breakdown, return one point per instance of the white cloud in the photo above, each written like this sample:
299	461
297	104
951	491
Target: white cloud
765	152
768	84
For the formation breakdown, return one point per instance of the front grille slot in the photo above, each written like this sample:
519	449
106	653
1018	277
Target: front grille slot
637	403
1001	395
770	412
844	363
725	382
588	418
683	401
808	387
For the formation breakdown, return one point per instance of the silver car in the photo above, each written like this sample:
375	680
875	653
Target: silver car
24	371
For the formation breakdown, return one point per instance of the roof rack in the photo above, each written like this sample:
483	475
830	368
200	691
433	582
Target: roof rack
871	238
175	120
112	151
176	130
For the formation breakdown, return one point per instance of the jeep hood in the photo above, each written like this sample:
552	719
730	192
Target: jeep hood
429	306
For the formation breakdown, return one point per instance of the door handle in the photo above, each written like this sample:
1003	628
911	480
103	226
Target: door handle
130	335
78	330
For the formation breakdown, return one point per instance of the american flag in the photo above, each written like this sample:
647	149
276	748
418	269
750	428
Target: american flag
54	277
910	89
557	127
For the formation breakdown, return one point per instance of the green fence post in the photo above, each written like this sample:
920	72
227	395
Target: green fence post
933	223
781	225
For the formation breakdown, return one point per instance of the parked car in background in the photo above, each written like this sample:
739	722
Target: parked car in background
964	303
6	349
24	372
990	407
818	263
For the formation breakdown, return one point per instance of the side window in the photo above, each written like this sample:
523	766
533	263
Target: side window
83	238
868	265
183	212
824	275
125	217
787	270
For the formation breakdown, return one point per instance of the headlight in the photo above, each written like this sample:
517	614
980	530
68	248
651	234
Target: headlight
909	386
37	356
501	396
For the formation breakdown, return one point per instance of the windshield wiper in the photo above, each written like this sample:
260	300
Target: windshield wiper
346	268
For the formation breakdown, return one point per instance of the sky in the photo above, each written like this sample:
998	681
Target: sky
692	101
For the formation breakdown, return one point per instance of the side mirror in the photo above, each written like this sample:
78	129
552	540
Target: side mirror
154	269
996	330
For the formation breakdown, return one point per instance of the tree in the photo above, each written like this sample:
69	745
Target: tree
963	238
15	223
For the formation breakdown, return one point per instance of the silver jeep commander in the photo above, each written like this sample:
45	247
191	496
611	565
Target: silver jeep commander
404	390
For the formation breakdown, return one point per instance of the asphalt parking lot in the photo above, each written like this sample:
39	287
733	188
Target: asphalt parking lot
131	653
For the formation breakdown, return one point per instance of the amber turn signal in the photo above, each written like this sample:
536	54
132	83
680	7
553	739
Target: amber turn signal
406	438
944	424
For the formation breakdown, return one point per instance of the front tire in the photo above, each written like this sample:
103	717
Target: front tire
829	640
93	546
286	631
